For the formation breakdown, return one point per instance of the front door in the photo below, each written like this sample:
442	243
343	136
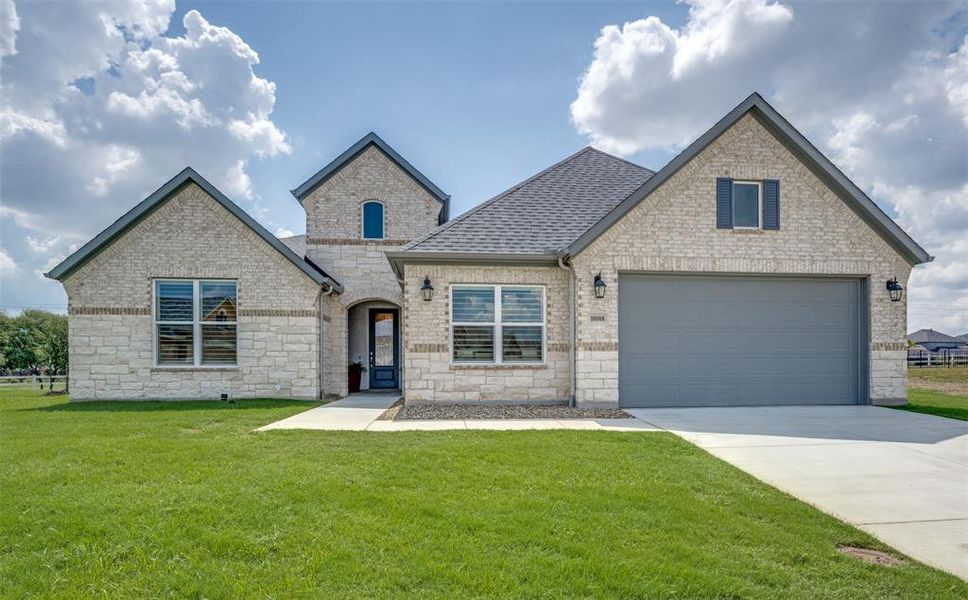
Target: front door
384	351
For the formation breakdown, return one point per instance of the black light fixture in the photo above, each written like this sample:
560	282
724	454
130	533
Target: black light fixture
599	286
895	289
427	290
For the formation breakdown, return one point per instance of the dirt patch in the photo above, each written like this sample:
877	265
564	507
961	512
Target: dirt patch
509	411
871	556
949	380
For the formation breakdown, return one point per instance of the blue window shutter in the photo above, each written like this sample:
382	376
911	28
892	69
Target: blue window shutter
771	204
724	203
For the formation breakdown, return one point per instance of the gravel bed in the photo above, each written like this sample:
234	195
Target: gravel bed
391	413
509	411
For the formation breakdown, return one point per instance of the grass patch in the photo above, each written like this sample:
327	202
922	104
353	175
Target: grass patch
184	499
936	403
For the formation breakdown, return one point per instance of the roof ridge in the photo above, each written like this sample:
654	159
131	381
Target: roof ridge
624	160
493	199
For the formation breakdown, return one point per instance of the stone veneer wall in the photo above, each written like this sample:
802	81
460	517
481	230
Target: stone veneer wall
191	236
429	375
334	242
674	230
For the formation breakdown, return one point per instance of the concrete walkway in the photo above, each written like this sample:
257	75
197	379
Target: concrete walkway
359	412
901	476
353	413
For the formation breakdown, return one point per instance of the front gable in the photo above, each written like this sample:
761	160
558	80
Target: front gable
370	170
753	142
208	216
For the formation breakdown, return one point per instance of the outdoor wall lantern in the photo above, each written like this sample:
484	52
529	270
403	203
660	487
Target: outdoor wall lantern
895	289
427	290
599	286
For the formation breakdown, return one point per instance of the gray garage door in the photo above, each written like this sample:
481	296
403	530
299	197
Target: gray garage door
738	341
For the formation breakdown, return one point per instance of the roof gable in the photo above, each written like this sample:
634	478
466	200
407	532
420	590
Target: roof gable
930	335
801	147
372	139
159	197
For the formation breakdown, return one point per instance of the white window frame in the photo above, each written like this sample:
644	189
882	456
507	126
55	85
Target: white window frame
498	324
759	204
363	219
196	324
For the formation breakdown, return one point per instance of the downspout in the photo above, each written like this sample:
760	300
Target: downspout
573	325
322	341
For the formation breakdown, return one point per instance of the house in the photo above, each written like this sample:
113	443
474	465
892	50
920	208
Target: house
935	341
747	271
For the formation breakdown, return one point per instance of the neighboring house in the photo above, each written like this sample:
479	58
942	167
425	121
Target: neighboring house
749	270
935	341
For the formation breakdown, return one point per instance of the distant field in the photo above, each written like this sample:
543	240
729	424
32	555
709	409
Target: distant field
939	391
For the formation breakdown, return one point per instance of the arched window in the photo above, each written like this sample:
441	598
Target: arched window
373	220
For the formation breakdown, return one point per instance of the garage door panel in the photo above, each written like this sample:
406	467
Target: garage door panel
713	341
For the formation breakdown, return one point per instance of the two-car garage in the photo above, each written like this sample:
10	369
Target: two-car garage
723	340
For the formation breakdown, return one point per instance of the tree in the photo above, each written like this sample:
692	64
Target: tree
21	351
53	348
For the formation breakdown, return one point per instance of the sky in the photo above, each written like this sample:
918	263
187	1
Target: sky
102	102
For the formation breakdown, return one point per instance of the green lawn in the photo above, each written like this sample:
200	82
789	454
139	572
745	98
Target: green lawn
184	500
938	391
937	403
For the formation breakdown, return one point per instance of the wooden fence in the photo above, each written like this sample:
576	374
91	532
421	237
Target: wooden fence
36	381
918	358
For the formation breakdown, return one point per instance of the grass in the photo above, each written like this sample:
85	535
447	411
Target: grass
184	500
937	403
938	391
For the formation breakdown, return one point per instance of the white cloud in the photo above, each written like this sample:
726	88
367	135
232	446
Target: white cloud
91	125
9	26
7	265
882	89
42	246
282	232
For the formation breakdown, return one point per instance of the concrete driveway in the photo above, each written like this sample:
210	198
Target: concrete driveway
900	476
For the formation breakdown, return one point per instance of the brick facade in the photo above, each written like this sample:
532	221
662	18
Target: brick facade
429	375
111	322
674	230
334	241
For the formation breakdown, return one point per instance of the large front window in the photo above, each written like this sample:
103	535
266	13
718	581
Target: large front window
497	323
195	322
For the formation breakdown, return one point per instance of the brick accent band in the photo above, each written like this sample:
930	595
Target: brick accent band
896	346
274	312
353	242
108	310
429	347
504	367
559	347
598	346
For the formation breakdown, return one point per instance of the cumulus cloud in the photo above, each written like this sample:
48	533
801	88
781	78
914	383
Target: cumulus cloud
9	26
93	123
882	89
6	263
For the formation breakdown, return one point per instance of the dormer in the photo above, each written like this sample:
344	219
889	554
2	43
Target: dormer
370	194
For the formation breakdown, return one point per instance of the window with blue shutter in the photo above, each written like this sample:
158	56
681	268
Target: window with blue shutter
724	203
747	204
771	204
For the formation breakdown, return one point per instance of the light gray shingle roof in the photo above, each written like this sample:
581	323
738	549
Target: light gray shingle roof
543	213
930	335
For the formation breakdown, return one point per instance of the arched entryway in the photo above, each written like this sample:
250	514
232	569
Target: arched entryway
373	342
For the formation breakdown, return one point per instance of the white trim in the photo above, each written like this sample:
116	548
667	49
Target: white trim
383	216
498	324
196	324
759	203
